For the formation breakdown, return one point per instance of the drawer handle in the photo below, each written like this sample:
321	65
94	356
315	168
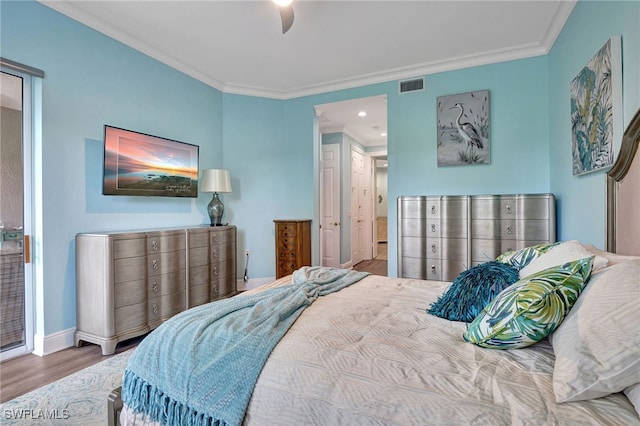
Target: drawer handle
433	269
214	253
154	264
155	308
508	209
154	245
433	228
433	248
509	230
154	286
215	239
215	271
433	209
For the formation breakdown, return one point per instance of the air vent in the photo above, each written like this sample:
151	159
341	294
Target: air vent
412	85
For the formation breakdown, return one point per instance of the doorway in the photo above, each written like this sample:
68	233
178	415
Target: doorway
355	131
16	328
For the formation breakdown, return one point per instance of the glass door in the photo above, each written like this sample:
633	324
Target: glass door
15	167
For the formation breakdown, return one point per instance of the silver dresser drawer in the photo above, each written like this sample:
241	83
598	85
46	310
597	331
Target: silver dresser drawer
454	249
420	227
468	230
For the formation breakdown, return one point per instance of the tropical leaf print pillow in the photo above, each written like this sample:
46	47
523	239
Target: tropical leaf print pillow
530	309
521	258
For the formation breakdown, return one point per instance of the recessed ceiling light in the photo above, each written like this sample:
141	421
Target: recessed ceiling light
383	134
282	2
362	114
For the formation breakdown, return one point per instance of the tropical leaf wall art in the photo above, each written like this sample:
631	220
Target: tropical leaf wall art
592	110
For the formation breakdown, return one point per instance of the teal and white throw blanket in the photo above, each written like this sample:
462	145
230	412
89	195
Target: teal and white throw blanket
200	367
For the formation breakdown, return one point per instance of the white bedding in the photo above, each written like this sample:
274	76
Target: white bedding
370	354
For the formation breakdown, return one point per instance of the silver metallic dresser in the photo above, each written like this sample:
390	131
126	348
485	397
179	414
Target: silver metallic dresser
441	236
128	283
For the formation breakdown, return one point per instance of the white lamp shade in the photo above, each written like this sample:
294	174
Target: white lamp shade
215	180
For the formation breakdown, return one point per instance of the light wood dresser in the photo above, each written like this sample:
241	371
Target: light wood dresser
293	245
441	236
128	283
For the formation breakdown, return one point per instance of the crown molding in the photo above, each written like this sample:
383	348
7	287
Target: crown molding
563	11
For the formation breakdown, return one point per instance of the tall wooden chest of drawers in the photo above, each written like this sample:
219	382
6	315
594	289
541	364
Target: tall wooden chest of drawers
441	236
293	245
128	283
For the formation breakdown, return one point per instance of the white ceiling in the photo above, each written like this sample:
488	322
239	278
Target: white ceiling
237	46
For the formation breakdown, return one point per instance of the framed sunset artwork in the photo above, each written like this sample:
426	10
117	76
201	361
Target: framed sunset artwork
145	165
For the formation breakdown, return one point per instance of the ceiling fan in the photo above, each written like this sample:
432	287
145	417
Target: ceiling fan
286	13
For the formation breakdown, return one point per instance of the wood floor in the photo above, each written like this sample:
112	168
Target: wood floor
26	373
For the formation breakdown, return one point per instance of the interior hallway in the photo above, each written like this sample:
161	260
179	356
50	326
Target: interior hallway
377	266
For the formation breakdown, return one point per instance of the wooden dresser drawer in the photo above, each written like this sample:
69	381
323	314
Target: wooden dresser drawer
221	269
130	269
160	242
199	295
163	263
130	293
198	237
132	247
131	317
128	283
222	252
162	284
222	236
293	245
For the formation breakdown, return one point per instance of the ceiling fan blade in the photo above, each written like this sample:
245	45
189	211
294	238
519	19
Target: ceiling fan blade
286	13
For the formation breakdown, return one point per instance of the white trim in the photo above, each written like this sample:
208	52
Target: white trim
253	283
520	52
45	345
348	265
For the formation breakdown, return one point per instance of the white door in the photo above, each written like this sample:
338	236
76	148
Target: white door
330	205
360	224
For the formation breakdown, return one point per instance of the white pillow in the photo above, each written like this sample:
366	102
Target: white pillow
597	346
613	258
633	393
564	252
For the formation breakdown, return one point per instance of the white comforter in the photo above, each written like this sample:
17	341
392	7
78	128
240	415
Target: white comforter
370	355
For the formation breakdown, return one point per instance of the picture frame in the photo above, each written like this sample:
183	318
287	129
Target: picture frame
146	165
596	110
463	129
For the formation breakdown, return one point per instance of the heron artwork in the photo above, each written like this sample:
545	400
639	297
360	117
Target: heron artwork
467	130
463	129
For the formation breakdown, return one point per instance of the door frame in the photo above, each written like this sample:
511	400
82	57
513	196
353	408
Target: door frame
31	93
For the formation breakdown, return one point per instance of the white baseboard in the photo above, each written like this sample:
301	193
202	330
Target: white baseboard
45	345
254	282
347	265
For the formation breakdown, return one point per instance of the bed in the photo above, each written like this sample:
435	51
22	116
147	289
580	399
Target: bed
368	352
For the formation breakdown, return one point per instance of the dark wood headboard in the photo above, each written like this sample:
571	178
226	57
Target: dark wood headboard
623	194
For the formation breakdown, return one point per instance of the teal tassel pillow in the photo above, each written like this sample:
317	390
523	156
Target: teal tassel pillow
472	290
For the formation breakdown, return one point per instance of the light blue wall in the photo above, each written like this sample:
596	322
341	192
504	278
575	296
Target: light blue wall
581	199
281	133
92	80
270	146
